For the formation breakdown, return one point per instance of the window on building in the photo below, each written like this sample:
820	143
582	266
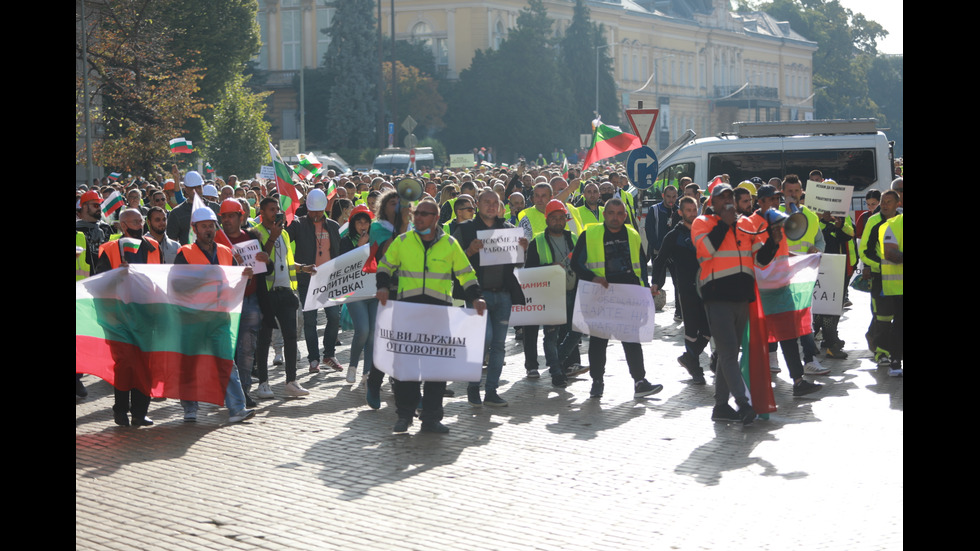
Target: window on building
291	32
324	18
263	57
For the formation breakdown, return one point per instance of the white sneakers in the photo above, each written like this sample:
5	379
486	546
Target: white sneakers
814	368
293	390
352	374
264	391
774	363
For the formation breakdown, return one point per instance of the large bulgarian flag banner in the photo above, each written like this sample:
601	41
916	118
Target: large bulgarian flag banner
786	293
167	330
608	141
288	196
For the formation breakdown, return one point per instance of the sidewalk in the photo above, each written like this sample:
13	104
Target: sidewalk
555	470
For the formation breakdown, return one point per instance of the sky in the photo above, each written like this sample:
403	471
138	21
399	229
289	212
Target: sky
888	14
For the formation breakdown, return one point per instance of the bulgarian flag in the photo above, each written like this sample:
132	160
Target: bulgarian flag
308	166
754	361
786	292
112	203
114	175
208	169
288	196
564	167
608	141
167	330
180	145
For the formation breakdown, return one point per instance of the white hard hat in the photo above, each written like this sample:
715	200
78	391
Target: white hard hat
203	214
193	179
316	200
209	191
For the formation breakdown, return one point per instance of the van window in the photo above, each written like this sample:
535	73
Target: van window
744	165
852	167
670	176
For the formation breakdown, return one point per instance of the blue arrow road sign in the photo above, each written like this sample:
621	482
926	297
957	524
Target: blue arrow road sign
641	167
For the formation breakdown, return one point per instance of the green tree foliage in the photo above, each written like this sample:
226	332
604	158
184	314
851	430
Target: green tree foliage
319	81
414	54
885	79
578	60
515	99
236	135
217	36
418	96
147	94
352	55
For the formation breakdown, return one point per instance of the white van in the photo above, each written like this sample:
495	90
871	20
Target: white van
850	152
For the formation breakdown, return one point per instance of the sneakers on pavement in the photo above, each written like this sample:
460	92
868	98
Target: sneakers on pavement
264	391
813	367
895	371
352	374
747	414
725	414
494	401
249	402
293	390
374	397
597	388
332	363
241	416
435	427
575	370
402	425
144	422
278	359
774	363
533	374
559	381
804	387
644	388
190	417
314	366
473	396
693	367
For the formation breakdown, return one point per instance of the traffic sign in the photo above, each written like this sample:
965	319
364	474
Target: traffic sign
411	141
641	167
409	124
643	121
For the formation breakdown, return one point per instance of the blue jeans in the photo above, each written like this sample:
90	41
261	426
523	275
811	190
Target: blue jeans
309	326
498	308
234	396
363	313
248	336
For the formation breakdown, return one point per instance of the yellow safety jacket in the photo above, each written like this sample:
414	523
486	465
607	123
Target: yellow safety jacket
596	251
427	271
270	278
82	269
891	272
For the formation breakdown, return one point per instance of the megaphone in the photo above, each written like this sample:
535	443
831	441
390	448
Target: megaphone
794	224
409	189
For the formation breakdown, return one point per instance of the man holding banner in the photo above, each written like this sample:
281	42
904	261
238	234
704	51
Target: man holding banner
499	287
612	253
425	260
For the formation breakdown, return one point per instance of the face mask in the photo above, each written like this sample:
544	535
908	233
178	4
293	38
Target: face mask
251	202
606	196
426	232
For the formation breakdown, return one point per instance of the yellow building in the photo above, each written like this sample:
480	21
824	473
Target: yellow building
701	63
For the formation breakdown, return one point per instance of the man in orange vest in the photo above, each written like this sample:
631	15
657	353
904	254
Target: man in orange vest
205	251
726	251
111	256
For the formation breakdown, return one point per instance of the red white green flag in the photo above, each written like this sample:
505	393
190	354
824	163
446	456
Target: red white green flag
308	166
180	145
114	175
786	293
288	195
167	330
608	141
112	203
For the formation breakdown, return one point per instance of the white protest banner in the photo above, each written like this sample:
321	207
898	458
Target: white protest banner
425	342
248	250
621	312
544	295
341	280
835	199
501	246
461	160
828	293
267	172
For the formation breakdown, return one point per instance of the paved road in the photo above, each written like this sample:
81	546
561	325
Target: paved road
555	470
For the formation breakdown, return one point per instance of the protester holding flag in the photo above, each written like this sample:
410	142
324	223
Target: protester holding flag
205	251
727	252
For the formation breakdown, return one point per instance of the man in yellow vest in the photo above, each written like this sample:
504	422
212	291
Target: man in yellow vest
891	236
612	253
411	257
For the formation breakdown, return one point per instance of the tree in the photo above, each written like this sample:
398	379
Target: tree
418	96
414	54
352	54
236	135
578	55
885	79
147	94
515	99
217	36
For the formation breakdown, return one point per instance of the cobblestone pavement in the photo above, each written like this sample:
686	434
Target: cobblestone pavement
555	470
